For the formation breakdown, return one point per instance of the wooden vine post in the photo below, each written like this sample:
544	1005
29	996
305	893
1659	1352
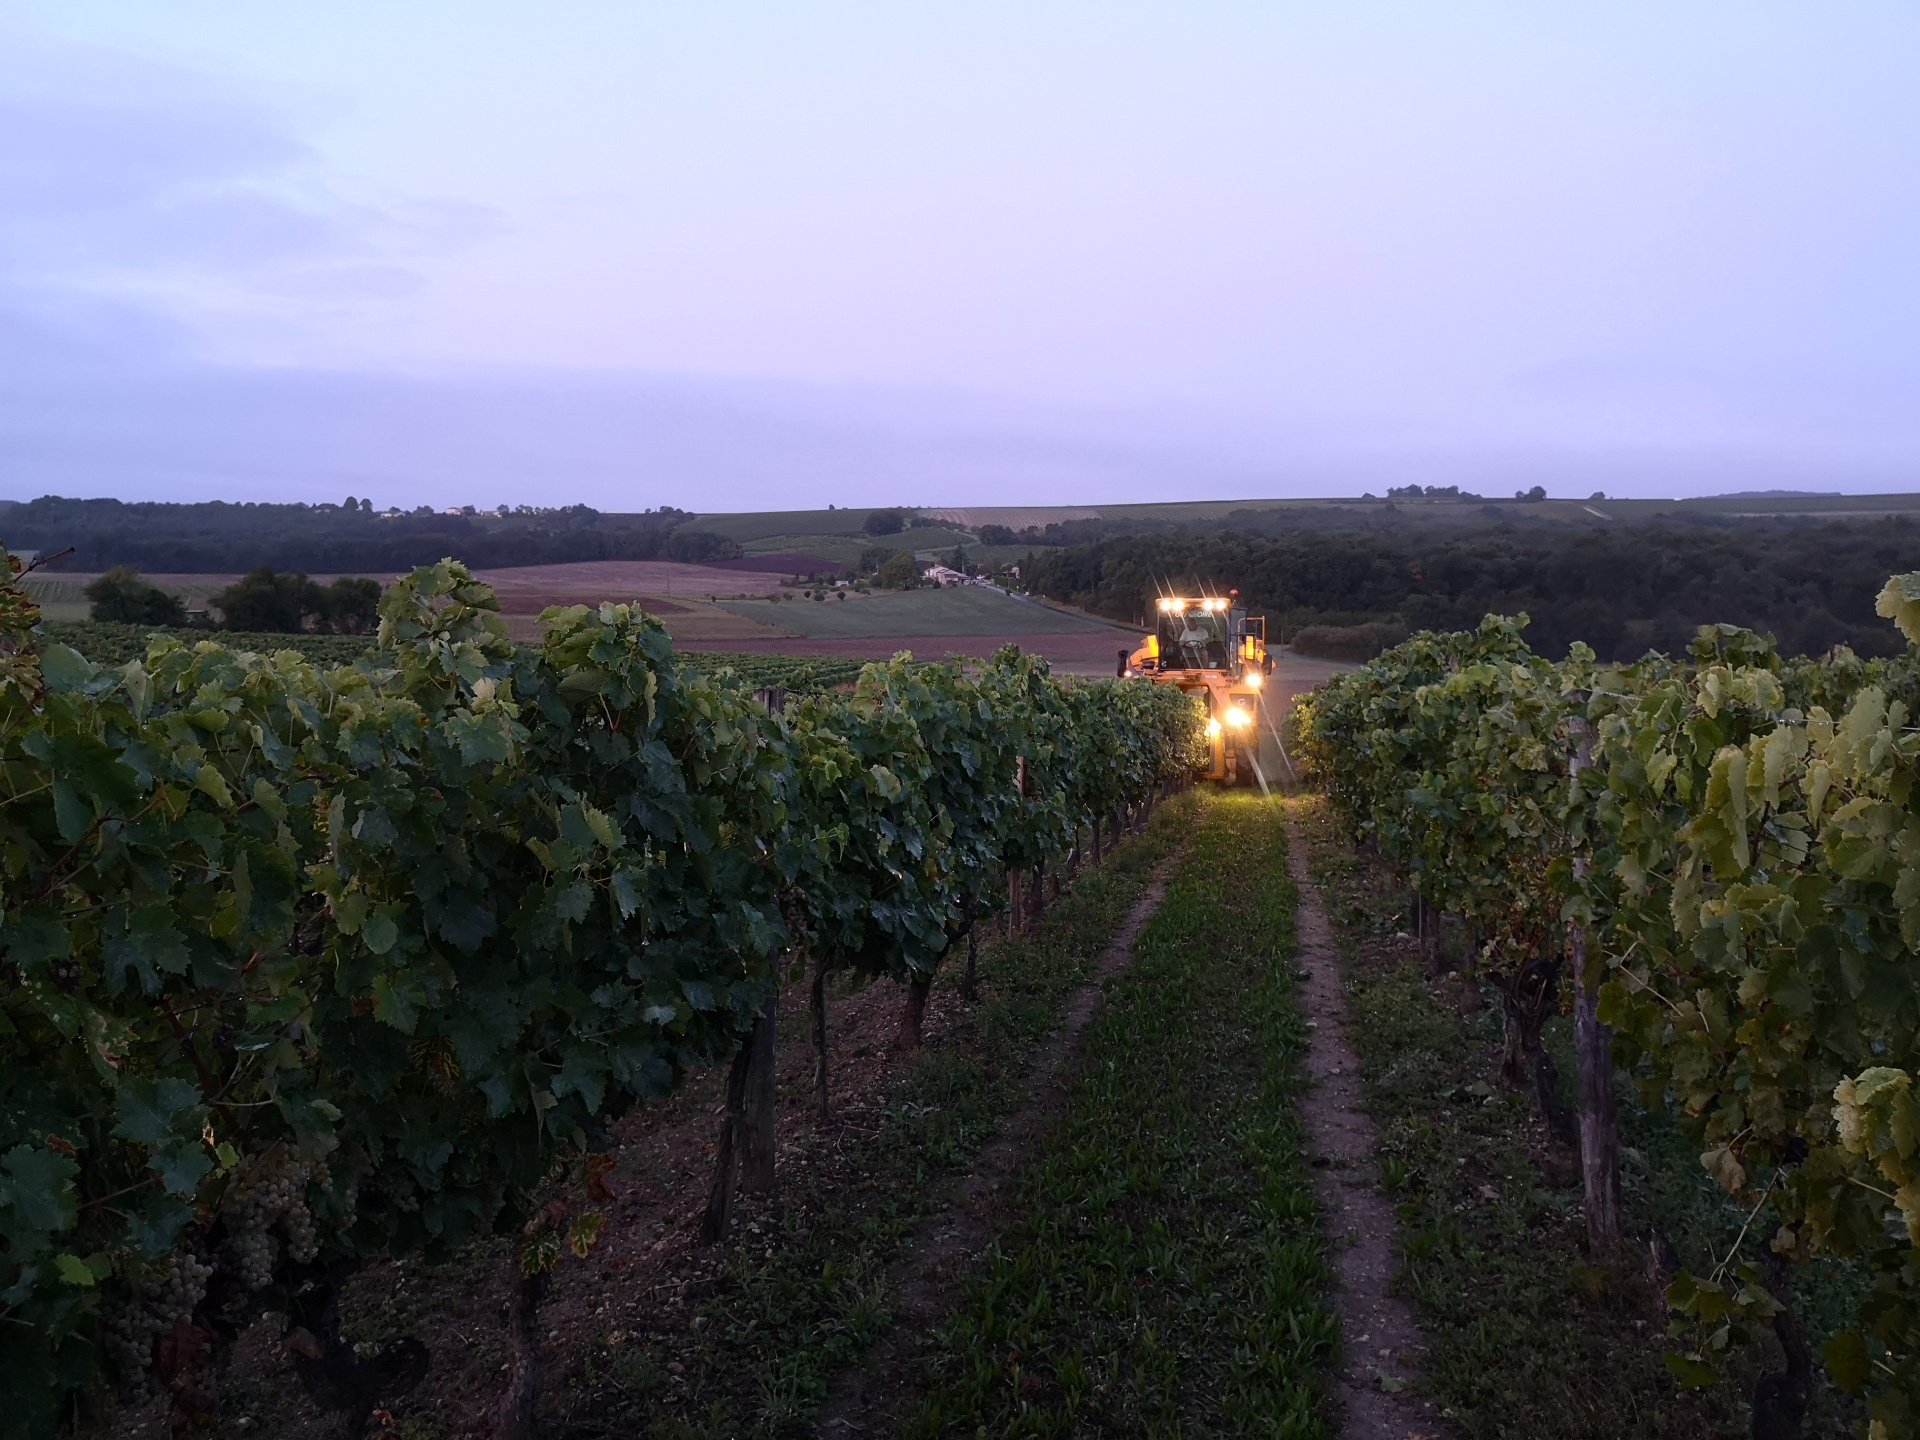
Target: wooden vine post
1426	930
818	999
913	1014
514	1416
1593	1048
1015	896
718	1218
758	1133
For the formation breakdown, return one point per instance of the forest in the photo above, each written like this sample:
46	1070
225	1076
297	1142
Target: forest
216	537
1623	590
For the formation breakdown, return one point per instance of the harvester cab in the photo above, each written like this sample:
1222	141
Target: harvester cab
1211	647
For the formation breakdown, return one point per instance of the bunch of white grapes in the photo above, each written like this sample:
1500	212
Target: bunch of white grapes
170	1293
275	1193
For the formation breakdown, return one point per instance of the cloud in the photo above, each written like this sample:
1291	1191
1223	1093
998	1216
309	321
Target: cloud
138	193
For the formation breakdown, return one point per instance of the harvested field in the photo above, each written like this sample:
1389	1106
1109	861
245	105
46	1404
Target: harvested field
786	562
677	593
525	586
692	623
1070	654
956	611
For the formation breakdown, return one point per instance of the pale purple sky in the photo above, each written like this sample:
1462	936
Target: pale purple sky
743	256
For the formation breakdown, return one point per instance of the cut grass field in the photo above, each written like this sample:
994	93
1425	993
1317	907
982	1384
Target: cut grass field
955	611
1166	1278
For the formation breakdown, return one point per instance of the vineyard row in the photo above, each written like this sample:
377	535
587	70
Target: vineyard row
307	963
1719	856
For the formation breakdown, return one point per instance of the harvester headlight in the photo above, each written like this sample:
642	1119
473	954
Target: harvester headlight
1255	680
1168	604
1213	728
1238	718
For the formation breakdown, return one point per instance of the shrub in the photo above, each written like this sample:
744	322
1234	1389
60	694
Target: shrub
288	603
1349	642
269	600
902	572
351	606
126	596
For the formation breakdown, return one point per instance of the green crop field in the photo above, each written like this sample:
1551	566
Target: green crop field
961	610
847	549
765	524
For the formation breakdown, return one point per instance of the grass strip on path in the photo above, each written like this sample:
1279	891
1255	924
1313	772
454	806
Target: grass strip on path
1166	1277
807	1291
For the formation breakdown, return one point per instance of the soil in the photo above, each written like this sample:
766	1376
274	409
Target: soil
1375	1386
872	1398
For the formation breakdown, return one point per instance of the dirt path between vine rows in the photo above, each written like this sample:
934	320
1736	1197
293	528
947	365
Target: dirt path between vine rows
870	1399
1374	1386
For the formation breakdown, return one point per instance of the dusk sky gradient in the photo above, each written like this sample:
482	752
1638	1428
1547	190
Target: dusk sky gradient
748	256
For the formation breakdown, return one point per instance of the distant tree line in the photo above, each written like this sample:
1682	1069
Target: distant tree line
264	600
892	522
1624	590
218	537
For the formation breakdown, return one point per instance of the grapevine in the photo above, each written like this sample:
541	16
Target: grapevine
309	960
1741	846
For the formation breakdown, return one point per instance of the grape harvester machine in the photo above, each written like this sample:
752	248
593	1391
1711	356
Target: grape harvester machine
1212	648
